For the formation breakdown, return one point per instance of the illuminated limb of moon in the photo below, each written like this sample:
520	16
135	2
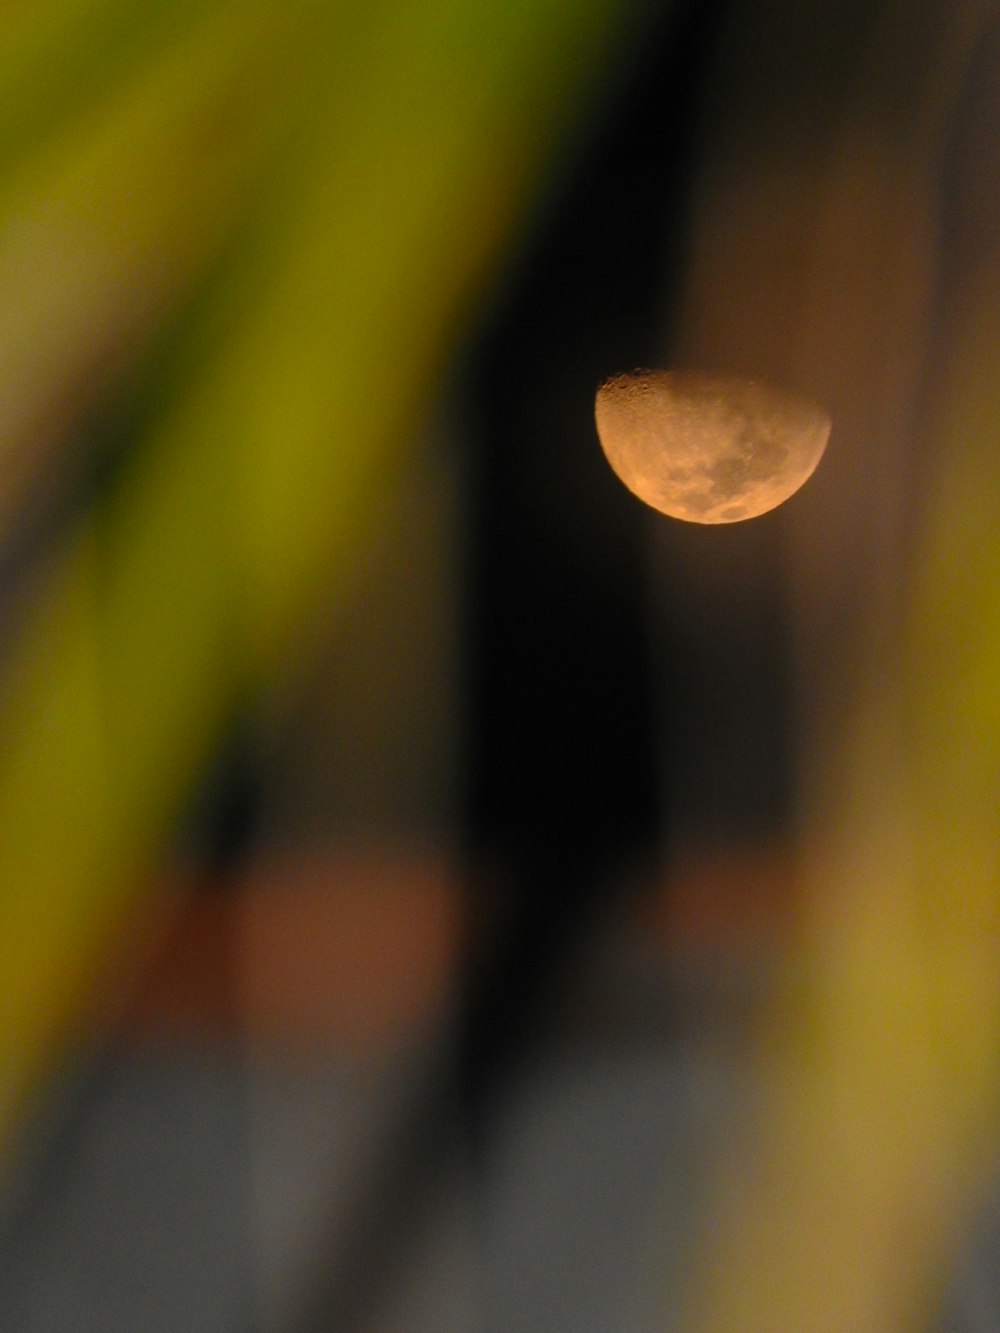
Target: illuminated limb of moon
708	448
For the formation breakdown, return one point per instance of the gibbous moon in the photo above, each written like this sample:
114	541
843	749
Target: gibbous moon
708	448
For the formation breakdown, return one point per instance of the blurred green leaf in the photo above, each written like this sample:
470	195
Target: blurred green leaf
383	160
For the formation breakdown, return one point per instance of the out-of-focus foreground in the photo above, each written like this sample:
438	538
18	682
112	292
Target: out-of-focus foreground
435	891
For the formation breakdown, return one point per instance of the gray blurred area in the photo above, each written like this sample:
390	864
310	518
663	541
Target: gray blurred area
191	1188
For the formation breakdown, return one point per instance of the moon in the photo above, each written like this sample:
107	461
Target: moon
708	448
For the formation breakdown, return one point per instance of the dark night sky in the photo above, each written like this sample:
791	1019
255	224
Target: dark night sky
565	757
562	758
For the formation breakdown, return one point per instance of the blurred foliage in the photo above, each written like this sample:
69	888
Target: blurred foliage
236	243
879	1055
